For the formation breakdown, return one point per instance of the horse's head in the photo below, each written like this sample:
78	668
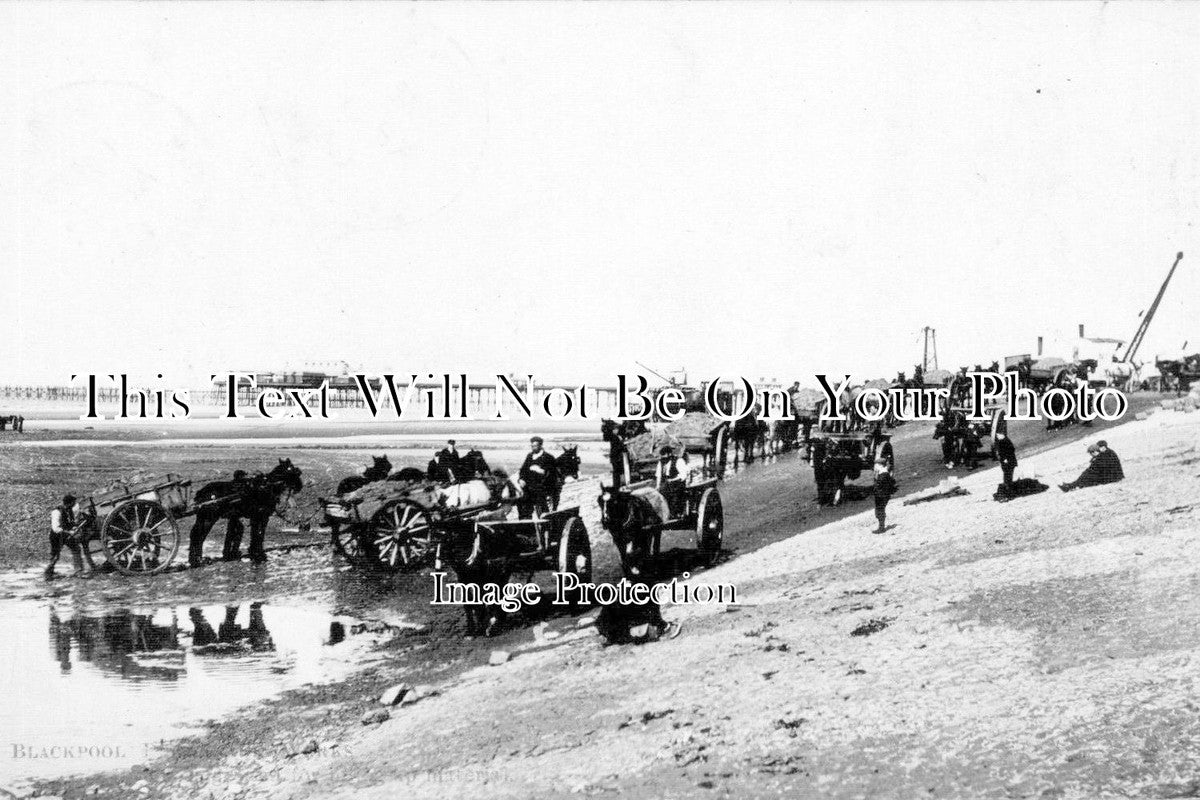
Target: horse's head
568	462
378	470
459	546
287	475
619	515
609	502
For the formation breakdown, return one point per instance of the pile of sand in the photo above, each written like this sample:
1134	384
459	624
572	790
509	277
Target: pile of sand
1188	403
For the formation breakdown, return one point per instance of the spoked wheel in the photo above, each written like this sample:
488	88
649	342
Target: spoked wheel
140	536
575	550
575	555
401	536
710	525
348	544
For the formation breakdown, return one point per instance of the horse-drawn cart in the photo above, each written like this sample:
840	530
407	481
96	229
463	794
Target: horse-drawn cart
556	541
694	434
134	526
637	510
838	456
385	523
400	526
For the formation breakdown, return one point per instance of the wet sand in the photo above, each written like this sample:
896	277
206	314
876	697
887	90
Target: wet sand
765	503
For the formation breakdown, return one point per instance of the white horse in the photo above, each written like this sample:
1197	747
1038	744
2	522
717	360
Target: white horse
466	494
476	492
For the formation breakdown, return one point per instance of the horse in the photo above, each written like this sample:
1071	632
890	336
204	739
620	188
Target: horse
478	556
566	468
408	475
376	472
472	466
252	498
632	522
466	494
746	433
445	470
635	527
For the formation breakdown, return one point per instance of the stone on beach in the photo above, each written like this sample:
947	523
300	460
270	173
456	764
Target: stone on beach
394	694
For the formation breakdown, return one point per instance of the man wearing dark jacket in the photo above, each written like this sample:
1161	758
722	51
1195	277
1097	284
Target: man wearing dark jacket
1006	454
1105	468
538	479
883	448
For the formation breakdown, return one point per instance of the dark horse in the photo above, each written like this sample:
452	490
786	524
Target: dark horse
376	472
446	469
634	527
747	431
253	498
566	465
478	556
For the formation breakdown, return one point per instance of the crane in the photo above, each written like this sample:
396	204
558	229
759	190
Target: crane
1136	341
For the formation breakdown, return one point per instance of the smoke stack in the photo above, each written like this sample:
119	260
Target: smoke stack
1081	330
1039	345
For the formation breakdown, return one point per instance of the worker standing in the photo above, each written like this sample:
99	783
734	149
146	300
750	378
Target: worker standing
63	531
885	487
537	478
1006	454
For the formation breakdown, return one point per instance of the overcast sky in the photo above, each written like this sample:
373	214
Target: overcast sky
758	189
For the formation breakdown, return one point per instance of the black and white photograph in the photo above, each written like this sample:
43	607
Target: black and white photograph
612	399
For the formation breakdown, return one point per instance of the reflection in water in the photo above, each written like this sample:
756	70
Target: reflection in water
254	637
128	679
112	641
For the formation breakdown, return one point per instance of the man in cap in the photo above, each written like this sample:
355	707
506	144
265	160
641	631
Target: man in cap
883	488
449	463
671	475
1006	454
538	480
63	530
883	448
1104	468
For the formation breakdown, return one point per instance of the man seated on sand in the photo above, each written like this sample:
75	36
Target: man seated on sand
1104	468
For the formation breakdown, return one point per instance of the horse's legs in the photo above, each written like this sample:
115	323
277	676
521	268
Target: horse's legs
232	551
258	534
200	529
475	621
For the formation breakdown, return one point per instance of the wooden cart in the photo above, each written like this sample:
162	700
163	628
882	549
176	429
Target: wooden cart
134	526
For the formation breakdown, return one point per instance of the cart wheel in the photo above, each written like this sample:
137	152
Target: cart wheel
140	536
575	550
575	555
401	536
710	524
347	544
720	451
